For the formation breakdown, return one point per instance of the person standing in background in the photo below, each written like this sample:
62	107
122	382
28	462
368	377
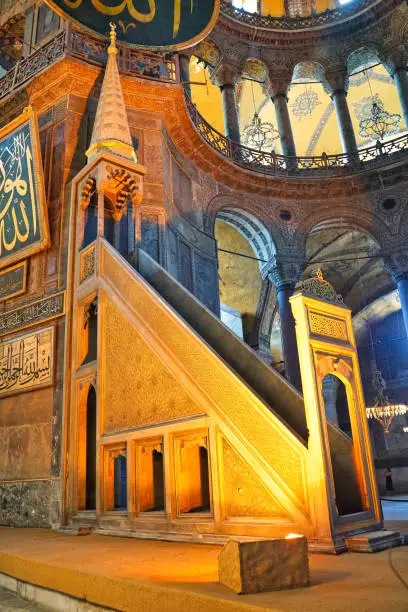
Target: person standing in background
388	480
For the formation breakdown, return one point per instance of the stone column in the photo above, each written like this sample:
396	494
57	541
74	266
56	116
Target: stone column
400	77
402	284
397	265
280	101
184	67
336	83
396	62
226	79
277	88
284	275
101	212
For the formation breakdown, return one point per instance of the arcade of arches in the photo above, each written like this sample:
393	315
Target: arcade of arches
162	299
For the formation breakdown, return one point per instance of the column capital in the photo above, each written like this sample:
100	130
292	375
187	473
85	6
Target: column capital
225	74
396	59
283	273
277	84
396	264
335	80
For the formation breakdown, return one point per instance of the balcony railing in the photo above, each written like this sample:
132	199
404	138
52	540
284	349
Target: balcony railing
77	44
328	17
271	163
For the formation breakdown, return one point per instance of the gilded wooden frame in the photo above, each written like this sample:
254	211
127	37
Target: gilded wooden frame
44	241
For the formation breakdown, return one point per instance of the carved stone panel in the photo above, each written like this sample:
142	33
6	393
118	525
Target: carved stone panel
172	256
150	235
26	362
13	281
43	310
206	282
186	277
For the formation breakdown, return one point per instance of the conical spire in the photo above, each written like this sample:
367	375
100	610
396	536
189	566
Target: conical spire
111	129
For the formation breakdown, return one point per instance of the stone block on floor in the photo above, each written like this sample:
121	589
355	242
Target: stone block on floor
264	565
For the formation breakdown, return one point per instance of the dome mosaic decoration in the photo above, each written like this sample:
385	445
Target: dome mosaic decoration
304	104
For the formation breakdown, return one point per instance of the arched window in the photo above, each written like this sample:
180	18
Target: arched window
87	450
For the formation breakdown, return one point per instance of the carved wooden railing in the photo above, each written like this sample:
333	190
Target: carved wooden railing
299	22
75	43
271	163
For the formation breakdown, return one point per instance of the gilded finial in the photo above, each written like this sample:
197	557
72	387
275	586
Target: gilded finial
319	274
112	35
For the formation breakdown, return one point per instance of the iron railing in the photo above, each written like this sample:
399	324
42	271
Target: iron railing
133	62
328	17
271	163
27	68
77	44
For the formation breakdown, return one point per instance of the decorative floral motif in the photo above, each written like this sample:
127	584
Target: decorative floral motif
363	107
304	104
375	122
87	263
328	326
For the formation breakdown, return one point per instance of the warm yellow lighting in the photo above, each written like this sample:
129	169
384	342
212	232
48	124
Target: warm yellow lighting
293	536
384	414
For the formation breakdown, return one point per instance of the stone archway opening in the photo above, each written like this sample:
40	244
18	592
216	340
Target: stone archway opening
349	257
244	247
87	449
342	454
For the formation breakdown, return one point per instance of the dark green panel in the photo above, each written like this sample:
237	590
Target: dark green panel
148	23
20	208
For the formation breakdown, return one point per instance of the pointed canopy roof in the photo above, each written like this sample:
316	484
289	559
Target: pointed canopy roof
111	128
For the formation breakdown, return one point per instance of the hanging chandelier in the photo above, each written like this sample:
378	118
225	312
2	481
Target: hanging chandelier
259	135
379	122
383	411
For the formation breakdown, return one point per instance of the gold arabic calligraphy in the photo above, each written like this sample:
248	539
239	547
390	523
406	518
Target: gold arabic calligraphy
10	189
133	12
26	362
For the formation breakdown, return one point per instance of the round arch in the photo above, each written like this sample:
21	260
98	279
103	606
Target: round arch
252	229
362	57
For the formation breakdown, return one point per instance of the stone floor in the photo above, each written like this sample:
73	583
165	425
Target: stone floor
395	507
10	603
146	576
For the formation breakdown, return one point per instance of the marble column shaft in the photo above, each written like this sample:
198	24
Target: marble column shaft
229	107
287	141
288	334
402	284
348	138
400	77
184	66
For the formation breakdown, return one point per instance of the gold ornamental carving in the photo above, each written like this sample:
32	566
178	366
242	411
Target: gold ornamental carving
328	326
87	265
